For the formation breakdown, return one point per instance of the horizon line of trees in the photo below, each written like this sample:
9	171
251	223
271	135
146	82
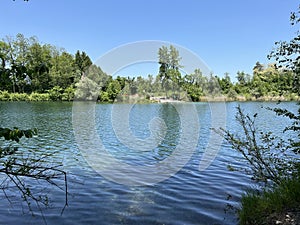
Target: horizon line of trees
29	67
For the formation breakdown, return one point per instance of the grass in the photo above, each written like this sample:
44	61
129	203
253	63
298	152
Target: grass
271	205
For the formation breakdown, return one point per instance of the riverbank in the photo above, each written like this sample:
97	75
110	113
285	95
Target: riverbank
6	96
280	205
242	98
34	97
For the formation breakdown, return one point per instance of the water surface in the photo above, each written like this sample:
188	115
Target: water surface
188	197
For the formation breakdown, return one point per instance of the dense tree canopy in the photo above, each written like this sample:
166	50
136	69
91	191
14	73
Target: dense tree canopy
30	70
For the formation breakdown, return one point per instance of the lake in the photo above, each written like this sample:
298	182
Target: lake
135	190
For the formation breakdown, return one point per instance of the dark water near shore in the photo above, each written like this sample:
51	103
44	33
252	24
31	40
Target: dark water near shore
189	196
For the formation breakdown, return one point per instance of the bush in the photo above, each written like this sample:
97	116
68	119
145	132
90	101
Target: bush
4	96
55	94
104	97
68	94
19	97
39	97
232	94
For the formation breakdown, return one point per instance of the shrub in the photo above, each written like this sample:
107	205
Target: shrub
19	97
4	96
39	96
68	94
55	94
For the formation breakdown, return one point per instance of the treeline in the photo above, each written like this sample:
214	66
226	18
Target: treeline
31	71
265	83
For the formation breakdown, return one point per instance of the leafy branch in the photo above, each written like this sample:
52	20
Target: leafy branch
21	169
294	127
268	156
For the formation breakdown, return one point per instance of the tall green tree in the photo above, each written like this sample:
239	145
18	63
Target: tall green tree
169	73
39	65
62	71
174	58
164	61
225	83
195	84
82	62
17	60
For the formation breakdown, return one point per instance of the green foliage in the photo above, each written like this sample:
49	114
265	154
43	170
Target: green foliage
19	97
104	97
68	94
169	68
194	92
4	96
82	62
269	157
39	65
27	66
56	93
269	206
113	89
294	145
39	97
16	134
232	94
272	161
87	89
62	71
225	84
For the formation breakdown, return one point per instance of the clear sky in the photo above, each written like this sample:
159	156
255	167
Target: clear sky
229	35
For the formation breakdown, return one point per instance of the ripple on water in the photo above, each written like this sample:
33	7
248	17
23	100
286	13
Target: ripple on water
188	197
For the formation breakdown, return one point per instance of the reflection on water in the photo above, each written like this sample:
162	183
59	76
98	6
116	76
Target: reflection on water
188	197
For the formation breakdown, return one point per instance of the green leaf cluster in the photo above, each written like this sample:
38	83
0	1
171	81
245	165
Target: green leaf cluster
16	134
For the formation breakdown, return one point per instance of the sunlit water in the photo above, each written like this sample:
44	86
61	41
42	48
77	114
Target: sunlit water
188	197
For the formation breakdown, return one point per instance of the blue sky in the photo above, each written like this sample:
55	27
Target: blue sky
229	35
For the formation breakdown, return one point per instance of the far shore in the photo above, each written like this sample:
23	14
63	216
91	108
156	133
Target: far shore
45	97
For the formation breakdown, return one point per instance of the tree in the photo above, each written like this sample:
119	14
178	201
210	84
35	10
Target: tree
114	89
164	61
16	60
62	71
87	89
241	77
174	58
4	48
225	83
95	73
258	67
169	73
39	65
82	62
213	87
195	84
